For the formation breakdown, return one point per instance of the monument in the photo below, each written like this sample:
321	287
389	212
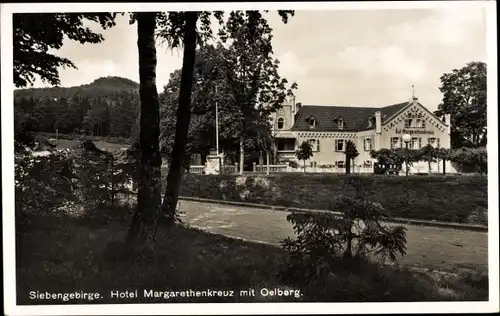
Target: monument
214	163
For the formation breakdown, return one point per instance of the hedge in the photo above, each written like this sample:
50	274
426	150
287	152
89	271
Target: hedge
460	199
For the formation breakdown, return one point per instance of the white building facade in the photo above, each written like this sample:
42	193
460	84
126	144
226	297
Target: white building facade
328	128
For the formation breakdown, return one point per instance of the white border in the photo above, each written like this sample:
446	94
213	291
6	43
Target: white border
231	308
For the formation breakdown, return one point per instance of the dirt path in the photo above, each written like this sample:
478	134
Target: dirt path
431	247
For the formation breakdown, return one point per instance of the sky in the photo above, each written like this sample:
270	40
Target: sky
355	57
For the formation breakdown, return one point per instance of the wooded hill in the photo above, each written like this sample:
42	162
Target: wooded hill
106	107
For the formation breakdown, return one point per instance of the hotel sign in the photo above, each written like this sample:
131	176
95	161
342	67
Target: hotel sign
414	132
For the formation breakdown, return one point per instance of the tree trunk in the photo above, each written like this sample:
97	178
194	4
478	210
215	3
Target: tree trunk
304	165
267	162
242	155
169	206
145	219
444	166
348	165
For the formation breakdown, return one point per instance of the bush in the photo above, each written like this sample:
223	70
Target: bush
470	159
351	235
436	197
62	178
42	183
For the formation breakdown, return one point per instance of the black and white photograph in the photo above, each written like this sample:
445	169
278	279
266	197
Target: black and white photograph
224	157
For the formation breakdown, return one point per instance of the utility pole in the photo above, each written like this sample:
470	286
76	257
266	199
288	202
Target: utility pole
216	121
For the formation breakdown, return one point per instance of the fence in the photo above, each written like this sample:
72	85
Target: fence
230	169
272	168
225	169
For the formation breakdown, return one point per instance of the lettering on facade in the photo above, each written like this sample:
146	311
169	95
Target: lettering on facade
413	132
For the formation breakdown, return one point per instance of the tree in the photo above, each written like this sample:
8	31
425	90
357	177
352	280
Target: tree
189	37
209	87
350	152
464	97
429	154
443	154
35	34
304	152
396	156
260	89
146	216
180	27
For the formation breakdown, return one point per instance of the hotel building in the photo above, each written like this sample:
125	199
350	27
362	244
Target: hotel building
327	128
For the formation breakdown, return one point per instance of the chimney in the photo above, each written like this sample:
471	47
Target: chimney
291	101
378	122
415	101
447	122
297	107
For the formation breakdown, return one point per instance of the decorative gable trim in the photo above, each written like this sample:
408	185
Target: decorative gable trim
419	111
316	135
420	106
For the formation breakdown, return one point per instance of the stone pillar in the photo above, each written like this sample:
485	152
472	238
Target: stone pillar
254	167
213	164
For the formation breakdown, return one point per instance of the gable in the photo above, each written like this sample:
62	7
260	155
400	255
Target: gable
415	111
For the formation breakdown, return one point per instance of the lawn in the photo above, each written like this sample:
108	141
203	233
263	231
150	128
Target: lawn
66	254
462	199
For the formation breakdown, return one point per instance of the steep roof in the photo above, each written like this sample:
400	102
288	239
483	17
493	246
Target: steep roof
354	118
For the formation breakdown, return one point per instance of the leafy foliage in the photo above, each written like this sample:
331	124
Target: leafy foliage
350	152
467	159
353	228
249	32
108	107
304	152
464	97
36	34
42	183
471	159
216	80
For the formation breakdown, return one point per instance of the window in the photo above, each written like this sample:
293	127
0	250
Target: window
395	143
340	164
314	144
367	164
416	123
340	123
433	141
368	144
370	122
281	123
312	122
339	145
416	143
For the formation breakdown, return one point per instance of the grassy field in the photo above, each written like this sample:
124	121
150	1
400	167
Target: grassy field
65	254
442	198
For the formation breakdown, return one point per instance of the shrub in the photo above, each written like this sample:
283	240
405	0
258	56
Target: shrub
352	230
42	185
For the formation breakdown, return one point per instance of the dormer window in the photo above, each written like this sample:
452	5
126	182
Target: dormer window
370	122
340	123
281	123
312	122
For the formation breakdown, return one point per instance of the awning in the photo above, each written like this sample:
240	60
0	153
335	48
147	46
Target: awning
285	134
